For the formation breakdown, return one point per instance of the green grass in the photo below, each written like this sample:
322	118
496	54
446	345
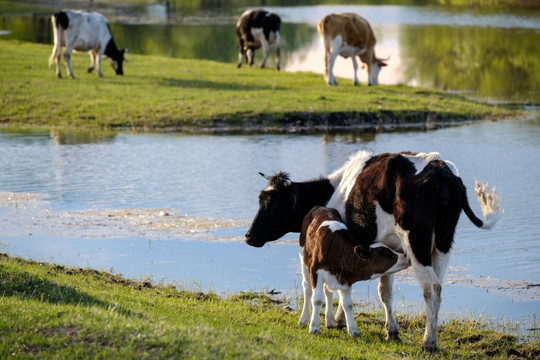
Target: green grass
159	93
51	312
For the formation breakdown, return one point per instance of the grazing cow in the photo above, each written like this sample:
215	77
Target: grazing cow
84	31
333	260
255	29
408	201
349	35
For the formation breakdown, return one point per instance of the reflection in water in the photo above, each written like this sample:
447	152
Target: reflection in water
77	137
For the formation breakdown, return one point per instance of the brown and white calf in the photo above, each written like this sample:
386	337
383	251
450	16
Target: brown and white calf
333	260
349	35
407	201
256	29
84	31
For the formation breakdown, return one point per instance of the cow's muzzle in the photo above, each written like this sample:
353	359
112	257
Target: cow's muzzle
250	240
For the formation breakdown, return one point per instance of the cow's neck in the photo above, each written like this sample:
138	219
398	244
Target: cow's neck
112	51
310	194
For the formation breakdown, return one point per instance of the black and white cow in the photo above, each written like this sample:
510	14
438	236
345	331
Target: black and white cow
408	201
84	31
256	29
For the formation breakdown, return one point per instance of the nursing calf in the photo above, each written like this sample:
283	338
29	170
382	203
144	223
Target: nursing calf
333	260
84	31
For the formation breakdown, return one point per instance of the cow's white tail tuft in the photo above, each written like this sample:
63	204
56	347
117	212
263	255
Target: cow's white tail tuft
490	202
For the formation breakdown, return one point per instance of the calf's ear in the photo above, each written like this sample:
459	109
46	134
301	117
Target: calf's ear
363	252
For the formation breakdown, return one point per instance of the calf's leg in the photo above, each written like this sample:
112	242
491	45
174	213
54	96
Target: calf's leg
345	299
308	291
316	302
329	311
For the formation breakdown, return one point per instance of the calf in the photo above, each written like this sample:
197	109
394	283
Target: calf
333	260
84	31
349	35
255	29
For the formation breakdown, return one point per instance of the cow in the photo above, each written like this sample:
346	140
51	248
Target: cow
349	35
255	29
333	260
84	31
408	201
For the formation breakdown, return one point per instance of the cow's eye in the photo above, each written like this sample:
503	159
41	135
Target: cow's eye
385	252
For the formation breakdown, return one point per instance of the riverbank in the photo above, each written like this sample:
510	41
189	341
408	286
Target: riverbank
198	96
51	311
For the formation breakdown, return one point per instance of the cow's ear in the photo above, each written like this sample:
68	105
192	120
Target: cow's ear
362	252
287	183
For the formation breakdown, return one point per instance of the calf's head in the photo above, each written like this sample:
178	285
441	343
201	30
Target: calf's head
278	212
381	260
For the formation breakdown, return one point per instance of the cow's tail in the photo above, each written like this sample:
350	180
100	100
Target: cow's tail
489	200
57	35
323	32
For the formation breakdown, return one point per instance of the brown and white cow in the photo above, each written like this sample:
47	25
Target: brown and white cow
84	31
410	202
256	29
333	260
349	35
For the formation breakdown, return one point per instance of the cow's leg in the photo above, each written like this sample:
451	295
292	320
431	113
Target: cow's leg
277	44
98	60
329	311
345	299
316	303
92	61
265	49
241	52
57	57
355	68
429	282
336	45
386	283
308	291
67	58
250	56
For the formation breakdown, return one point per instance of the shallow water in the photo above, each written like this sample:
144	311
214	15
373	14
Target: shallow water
175	208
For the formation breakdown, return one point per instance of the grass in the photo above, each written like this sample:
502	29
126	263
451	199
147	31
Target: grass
159	93
50	311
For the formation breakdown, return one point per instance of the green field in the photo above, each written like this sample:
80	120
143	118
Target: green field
54	312
160	93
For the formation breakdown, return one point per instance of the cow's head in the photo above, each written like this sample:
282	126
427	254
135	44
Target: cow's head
278	211
117	62
373	70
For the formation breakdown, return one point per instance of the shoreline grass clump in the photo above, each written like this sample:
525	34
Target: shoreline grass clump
51	311
167	94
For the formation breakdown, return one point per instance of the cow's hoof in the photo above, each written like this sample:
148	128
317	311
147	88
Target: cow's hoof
90	69
314	331
431	346
393	336
355	334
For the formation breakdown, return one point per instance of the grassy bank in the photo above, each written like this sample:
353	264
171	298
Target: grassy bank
50	311
196	95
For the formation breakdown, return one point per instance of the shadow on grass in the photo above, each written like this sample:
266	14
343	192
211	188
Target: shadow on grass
214	85
26	286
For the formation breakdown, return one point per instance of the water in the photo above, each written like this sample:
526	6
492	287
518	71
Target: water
487	52
175	208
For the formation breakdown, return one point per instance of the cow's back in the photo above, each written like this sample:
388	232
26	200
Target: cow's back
87	30
354	29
